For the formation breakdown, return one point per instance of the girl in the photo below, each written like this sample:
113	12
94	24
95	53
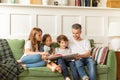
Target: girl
32	57
47	40
63	49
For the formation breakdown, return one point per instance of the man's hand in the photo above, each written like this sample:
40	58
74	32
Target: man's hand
78	57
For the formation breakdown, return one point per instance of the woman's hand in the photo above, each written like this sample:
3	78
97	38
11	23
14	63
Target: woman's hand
44	57
46	54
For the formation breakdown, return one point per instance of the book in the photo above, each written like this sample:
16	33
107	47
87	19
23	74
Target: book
87	2
82	2
77	2
113	4
64	56
35	1
94	3
91	3
69	56
71	2
54	56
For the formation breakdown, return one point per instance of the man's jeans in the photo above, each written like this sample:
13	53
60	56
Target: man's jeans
64	63
90	65
34	60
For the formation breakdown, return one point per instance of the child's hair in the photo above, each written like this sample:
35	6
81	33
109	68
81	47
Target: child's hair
33	32
62	37
45	36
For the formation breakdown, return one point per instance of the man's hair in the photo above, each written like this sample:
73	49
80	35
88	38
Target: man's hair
76	26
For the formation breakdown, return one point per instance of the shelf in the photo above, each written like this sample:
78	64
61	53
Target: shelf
52	6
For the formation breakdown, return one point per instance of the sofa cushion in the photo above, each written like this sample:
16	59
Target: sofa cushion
102	69
42	71
99	54
39	71
17	47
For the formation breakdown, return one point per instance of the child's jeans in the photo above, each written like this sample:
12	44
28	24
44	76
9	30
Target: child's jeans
73	69
64	63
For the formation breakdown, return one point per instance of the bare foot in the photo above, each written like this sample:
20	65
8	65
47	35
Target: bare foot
24	66
53	69
58	68
67	78
19	61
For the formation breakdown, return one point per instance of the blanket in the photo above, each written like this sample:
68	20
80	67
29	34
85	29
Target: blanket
9	68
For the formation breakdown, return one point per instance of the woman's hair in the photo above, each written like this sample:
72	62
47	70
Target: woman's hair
76	26
33	32
45	36
61	37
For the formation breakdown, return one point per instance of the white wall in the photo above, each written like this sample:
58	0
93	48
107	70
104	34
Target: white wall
18	20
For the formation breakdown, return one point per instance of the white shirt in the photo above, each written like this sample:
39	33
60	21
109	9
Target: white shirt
26	46
79	47
46	48
62	51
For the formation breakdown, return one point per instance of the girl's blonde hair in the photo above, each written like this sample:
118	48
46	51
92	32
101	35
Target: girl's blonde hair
34	43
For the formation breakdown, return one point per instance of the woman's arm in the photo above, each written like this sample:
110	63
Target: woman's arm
29	52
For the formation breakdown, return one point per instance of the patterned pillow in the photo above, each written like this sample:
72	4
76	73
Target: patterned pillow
99	54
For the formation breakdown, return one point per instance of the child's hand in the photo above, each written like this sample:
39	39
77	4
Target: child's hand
45	53
44	57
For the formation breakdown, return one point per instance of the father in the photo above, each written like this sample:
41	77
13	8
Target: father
82	47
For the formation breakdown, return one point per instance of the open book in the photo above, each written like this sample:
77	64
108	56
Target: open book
64	56
69	56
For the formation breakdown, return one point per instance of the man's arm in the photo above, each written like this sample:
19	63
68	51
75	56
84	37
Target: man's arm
87	48
85	55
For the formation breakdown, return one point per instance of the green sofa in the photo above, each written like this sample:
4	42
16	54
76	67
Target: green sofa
104	72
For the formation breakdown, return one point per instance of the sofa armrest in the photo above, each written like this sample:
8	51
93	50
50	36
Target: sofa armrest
111	63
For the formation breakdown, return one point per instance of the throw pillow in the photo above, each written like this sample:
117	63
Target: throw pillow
17	47
99	54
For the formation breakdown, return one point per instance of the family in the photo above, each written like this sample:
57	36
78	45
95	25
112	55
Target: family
37	49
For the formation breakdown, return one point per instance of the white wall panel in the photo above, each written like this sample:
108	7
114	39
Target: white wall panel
94	26
48	24
67	22
20	24
114	19
4	25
